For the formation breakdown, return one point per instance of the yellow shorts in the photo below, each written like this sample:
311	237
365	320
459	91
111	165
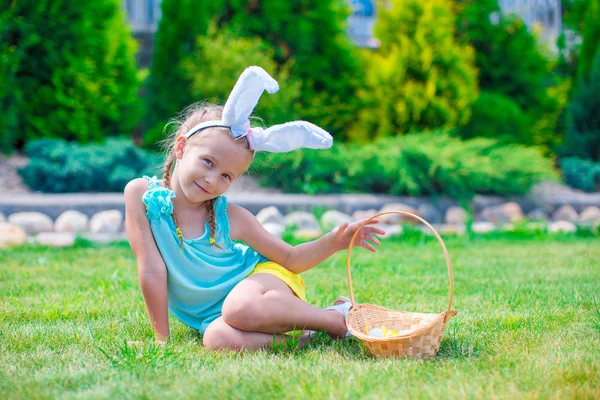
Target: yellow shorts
294	281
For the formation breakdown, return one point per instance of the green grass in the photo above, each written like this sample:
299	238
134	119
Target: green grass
528	326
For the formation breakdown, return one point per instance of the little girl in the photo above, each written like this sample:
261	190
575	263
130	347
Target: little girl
183	232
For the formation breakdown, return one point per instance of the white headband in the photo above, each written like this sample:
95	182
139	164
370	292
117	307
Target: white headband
276	139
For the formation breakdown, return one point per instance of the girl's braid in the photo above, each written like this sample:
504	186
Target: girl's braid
168	167
210	205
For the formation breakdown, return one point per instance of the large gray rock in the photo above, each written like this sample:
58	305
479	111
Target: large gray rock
109	221
56	239
538	214
31	221
565	213
303	220
390	230
274	229
503	213
536	226
448	229
362	214
333	218
430	213
71	221
397	218
11	235
270	215
456	215
483	227
444	229
590	216
561	226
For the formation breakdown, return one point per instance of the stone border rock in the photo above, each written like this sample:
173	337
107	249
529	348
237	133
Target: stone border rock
108	225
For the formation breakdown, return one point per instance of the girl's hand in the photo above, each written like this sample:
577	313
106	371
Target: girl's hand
342	235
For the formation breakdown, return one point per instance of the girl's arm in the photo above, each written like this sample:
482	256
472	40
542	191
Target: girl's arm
300	258
152	271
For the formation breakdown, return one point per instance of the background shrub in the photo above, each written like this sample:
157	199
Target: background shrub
515	68
68	71
581	174
168	84
326	63
582	136
306	41
497	116
591	38
415	164
58	166
420	78
218	59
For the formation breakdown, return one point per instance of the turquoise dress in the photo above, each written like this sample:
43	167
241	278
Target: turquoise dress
200	276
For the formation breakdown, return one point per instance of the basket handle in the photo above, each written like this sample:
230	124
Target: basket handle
432	230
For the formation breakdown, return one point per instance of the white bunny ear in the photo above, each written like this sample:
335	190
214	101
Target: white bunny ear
290	136
245	95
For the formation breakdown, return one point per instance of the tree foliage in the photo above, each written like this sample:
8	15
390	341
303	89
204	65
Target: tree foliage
591	38
582	136
68	71
420	78
306	39
422	164
168	85
512	64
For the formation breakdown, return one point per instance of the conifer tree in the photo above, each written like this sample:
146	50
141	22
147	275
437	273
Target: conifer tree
520	100
582	137
307	40
420	78
70	71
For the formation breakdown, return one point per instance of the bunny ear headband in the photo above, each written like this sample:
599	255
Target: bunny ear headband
276	139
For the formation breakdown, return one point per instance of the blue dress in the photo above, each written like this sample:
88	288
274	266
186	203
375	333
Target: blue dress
200	276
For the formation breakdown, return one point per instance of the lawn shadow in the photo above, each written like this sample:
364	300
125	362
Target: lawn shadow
457	345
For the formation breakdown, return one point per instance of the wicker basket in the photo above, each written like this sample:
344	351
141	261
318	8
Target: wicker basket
424	330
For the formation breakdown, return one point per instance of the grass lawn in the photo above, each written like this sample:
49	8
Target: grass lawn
528	326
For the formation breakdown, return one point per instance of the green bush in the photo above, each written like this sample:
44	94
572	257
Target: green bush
11	57
218	59
591	38
511	63
497	117
582	136
58	166
182	21
313	34
70	71
420	78
574	14
306	41
581	174
415	164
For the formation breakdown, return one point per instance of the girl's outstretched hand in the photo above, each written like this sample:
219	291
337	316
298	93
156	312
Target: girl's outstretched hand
342	235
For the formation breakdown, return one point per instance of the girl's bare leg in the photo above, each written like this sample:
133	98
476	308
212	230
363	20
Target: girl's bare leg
221	336
264	303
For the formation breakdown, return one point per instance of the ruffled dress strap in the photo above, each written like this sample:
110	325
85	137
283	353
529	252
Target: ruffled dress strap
158	200
153	181
222	218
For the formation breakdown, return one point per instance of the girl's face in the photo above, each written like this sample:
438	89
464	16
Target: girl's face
206	167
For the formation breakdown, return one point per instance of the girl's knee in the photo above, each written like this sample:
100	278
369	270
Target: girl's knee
244	313
222	337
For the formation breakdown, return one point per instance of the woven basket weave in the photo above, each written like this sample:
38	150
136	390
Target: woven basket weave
425	330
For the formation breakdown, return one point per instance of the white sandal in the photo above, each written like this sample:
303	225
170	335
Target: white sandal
342	305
